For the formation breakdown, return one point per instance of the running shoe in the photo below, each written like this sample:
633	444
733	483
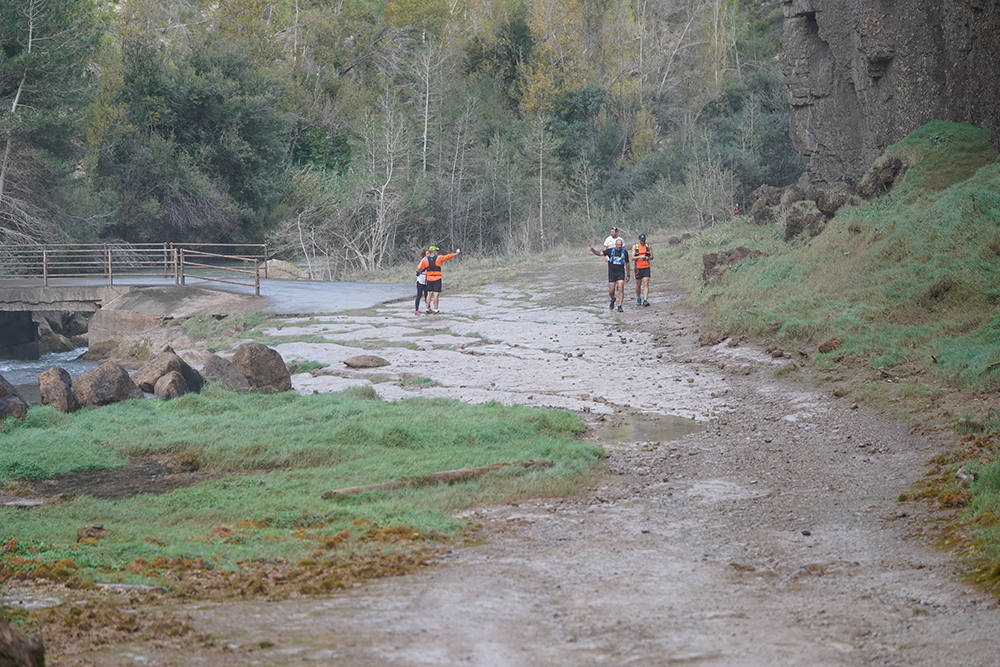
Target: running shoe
638	302
645	303
416	312
620	309
611	306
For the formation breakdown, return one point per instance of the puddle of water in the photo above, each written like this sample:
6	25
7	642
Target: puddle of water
647	428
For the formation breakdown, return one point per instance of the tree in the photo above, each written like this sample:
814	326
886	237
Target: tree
202	145
45	47
380	197
540	145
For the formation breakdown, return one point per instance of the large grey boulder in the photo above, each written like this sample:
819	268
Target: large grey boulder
263	368
224	372
12	404
166	362
55	386
108	383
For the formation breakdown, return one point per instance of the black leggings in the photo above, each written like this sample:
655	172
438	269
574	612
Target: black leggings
421	291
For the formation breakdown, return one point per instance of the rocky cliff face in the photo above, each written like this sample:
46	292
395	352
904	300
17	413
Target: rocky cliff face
862	74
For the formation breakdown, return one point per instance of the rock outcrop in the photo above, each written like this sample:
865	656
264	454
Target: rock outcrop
862	76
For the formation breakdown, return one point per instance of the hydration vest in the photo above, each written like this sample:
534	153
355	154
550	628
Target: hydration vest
617	259
642	254
433	267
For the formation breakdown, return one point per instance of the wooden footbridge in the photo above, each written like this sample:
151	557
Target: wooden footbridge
82	277
112	264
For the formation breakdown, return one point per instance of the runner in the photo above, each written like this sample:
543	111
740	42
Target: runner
618	271
642	255
432	265
422	285
612	238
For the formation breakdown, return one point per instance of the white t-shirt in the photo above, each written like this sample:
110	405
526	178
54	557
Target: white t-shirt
422	276
611	241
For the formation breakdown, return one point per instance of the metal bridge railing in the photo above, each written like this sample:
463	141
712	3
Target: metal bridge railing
231	263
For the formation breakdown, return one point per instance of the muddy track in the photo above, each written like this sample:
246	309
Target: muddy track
768	533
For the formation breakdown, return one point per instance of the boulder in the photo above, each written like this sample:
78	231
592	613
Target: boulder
881	177
829	201
366	361
94	531
761	212
12	404
224	372
771	194
17	648
711	338
162	364
108	383
263	368
54	342
804	220
170	386
55	386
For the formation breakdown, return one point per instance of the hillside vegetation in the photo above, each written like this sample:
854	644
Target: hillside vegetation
909	282
351	134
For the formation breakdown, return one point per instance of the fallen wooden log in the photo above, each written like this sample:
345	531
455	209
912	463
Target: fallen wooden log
443	477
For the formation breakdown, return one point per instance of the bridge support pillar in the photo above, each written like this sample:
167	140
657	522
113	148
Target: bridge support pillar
18	335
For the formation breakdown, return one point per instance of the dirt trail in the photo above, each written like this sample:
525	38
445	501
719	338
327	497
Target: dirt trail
772	535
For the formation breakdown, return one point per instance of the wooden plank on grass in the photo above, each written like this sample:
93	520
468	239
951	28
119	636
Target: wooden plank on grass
442	477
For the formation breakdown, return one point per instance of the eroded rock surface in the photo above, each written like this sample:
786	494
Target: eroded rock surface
861	76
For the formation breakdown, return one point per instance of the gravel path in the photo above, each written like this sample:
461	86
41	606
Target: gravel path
765	532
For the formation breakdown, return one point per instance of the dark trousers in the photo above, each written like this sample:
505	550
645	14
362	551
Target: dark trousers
421	291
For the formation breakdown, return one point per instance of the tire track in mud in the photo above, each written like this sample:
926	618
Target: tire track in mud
772	535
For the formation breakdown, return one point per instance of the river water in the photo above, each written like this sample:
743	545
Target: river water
20	372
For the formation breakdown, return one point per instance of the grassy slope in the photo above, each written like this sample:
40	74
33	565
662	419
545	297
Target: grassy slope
911	282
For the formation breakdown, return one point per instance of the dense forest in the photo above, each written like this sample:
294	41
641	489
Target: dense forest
347	133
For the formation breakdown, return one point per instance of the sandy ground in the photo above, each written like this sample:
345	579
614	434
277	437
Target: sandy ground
740	519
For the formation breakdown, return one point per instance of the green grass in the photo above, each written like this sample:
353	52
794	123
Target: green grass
304	366
273	455
909	278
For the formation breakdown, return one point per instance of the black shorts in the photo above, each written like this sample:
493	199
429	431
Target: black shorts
615	273
642	273
434	285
